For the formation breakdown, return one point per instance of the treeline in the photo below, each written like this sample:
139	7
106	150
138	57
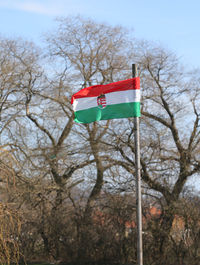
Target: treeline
69	189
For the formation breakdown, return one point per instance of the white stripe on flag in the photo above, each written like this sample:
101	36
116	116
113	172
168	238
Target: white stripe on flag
126	96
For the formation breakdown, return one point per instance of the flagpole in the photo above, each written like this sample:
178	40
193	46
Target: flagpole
138	182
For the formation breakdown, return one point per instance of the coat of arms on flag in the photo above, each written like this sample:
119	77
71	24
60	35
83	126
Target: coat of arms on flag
101	101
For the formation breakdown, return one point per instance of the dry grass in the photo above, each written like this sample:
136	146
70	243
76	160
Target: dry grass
9	234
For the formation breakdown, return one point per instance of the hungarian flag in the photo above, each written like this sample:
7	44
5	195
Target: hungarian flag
103	102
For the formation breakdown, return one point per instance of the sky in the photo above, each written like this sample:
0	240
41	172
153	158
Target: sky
175	24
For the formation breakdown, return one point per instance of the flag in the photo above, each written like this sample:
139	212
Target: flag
103	102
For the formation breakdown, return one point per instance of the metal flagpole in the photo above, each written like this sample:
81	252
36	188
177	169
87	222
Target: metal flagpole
138	182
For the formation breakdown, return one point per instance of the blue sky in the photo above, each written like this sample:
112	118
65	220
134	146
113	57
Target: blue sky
173	23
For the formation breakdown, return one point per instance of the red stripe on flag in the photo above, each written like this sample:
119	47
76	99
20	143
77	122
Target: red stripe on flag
95	91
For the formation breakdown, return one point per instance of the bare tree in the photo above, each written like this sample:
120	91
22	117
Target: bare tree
54	155
169	131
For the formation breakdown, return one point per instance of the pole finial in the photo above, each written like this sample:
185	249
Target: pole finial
134	70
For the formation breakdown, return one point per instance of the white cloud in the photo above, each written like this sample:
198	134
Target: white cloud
38	8
45	7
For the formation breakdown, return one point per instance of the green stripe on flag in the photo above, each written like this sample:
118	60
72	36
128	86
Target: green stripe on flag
116	111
